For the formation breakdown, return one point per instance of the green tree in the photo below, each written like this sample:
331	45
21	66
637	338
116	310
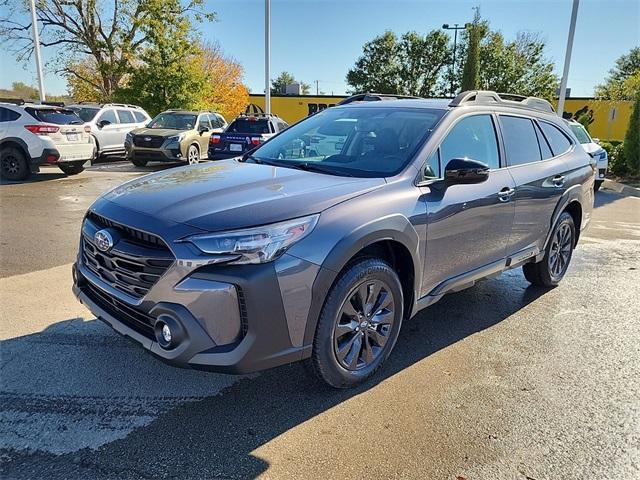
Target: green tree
170	72
623	82
471	71
108	35
412	65
632	139
279	84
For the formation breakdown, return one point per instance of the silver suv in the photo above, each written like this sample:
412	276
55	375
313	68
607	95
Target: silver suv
297	253
110	123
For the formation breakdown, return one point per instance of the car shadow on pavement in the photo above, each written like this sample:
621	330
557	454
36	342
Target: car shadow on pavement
215	436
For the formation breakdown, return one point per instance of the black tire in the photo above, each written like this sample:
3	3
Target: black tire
13	164
548	273
138	162
597	184
338	331
193	154
72	168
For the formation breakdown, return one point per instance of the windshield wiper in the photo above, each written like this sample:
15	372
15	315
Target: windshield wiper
259	161
315	167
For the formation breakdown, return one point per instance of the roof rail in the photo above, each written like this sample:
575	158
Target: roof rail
14	101
257	114
373	97
506	99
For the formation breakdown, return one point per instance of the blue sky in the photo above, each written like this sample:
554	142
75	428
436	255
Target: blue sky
321	39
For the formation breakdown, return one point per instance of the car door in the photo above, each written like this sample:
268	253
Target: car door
468	225
204	133
127	122
108	135
539	172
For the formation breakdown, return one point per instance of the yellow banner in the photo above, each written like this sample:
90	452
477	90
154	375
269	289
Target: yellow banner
608	120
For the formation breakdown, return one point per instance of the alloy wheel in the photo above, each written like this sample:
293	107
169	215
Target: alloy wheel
560	250
11	165
193	156
363	325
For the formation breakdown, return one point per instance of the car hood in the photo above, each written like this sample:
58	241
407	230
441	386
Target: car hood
229	194
157	132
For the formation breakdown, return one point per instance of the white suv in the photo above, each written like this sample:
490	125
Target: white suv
109	124
32	134
593	148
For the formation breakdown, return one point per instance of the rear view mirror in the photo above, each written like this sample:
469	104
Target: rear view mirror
465	170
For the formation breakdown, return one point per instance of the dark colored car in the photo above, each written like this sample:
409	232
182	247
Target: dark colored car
243	134
290	253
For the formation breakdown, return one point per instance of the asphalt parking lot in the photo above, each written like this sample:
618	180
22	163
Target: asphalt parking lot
502	380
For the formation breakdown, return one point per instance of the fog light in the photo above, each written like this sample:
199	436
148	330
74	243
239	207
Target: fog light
166	333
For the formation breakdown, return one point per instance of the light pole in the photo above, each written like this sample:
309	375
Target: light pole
36	49
455	29
267	56
567	58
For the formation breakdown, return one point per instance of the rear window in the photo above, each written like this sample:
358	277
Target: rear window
557	140
249	125
57	116
86	114
7	115
520	140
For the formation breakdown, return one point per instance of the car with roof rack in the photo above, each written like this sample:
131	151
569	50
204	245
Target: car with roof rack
291	253
109	124
245	133
34	134
174	136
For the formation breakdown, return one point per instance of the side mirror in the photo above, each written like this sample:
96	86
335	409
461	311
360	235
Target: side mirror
596	140
203	130
465	170
103	123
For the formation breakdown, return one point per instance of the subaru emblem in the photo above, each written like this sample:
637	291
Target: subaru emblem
103	240
147	139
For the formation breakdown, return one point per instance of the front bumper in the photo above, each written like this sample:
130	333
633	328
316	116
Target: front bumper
231	319
166	153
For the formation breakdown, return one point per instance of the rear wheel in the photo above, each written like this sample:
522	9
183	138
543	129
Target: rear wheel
72	168
358	325
139	163
13	164
551	269
193	155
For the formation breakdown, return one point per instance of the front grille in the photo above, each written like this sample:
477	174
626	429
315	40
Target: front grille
153	142
133	265
135	319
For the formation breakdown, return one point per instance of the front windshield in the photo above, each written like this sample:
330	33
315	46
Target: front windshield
360	142
581	134
174	121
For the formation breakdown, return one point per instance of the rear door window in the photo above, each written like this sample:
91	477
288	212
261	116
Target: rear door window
57	116
473	138
139	117
545	150
558	140
7	115
520	140
126	116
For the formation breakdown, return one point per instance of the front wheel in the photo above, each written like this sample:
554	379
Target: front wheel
358	325
551	269
72	168
139	163
193	155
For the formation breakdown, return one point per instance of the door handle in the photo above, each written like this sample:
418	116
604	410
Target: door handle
558	180
506	193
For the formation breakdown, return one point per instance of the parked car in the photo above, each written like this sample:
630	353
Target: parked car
593	148
33	134
174	135
250	263
110	123
243	134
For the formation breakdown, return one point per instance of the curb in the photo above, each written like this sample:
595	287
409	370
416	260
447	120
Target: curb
621	188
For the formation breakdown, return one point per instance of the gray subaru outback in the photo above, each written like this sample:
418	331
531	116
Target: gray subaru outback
320	242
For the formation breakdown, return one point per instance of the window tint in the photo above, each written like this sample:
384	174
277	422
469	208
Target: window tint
520	140
220	121
473	138
126	116
139	117
249	125
58	116
544	146
7	115
109	116
204	122
558	141
85	113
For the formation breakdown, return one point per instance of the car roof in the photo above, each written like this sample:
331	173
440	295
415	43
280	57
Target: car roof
438	103
192	112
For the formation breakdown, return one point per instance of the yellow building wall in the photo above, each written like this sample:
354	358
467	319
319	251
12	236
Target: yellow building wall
609	120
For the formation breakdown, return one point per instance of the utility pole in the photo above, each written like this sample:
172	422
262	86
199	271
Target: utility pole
317	87
36	49
567	57
455	29
267	56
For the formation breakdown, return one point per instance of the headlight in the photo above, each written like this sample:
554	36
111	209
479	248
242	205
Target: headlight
255	245
129	138
176	138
